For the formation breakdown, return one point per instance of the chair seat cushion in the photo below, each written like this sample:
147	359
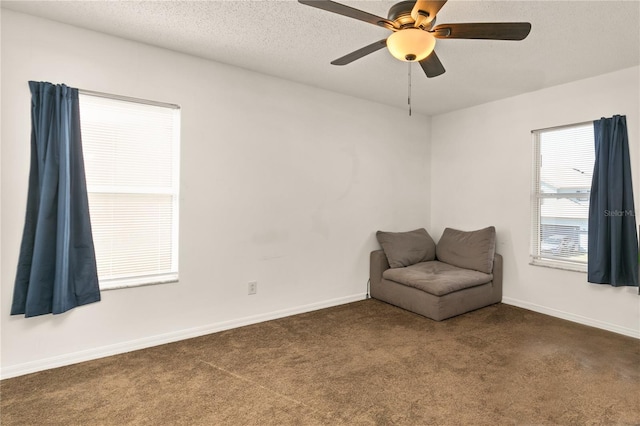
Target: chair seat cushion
436	277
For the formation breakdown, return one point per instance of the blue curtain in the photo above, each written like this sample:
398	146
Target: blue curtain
57	265
613	238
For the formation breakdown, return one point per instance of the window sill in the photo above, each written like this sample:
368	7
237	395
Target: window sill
120	284
556	264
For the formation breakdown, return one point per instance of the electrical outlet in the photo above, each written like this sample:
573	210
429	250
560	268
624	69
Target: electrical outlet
253	287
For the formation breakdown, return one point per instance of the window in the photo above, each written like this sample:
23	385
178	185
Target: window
131	153
562	171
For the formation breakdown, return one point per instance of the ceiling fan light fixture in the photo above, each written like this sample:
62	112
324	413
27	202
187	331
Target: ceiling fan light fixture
411	44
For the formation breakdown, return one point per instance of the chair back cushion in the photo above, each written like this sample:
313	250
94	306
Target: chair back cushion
471	250
407	248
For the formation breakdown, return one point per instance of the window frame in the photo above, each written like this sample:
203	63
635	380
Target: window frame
173	276
536	256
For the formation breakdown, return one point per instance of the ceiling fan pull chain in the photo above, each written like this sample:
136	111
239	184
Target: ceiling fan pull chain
409	89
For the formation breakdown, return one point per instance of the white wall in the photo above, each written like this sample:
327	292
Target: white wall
481	175
281	183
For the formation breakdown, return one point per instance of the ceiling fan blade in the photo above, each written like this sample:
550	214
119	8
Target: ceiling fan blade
485	30
347	59
350	12
432	66
424	11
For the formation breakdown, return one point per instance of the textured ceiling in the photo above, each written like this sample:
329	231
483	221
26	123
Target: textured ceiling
569	40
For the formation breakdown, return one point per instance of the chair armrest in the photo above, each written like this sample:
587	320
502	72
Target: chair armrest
497	275
378	263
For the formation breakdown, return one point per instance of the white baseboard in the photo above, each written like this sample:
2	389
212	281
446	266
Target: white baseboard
161	339
572	317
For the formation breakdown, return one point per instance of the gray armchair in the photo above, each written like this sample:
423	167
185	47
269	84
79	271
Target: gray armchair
459	274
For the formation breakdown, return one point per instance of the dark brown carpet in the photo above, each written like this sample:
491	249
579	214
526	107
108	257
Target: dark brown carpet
361	363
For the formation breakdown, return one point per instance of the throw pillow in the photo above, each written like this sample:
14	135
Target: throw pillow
470	250
407	248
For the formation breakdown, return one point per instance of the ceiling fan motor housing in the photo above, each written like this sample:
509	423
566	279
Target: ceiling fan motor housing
400	13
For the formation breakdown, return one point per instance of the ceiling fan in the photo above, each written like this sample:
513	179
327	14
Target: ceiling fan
414	31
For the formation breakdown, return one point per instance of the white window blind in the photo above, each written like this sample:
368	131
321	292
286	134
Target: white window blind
562	171
131	153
